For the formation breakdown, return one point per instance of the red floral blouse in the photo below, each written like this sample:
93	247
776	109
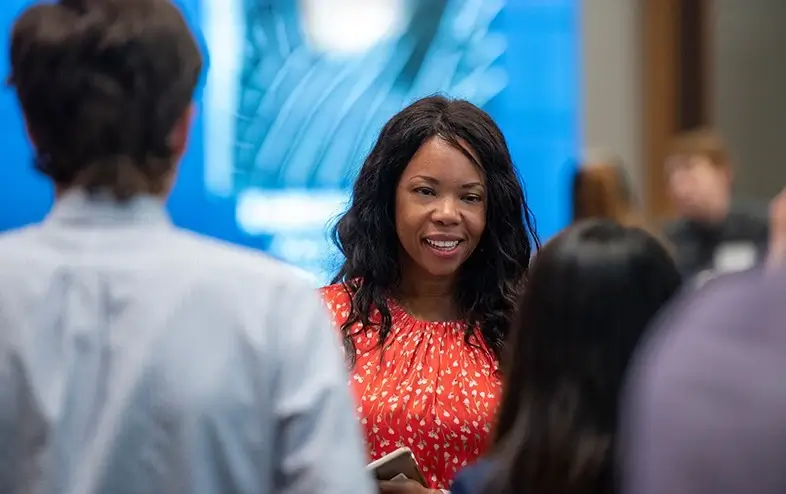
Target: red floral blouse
432	392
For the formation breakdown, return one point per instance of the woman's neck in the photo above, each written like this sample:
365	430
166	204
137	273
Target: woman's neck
429	299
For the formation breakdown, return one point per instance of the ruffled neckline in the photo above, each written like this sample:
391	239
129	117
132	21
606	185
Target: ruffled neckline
399	313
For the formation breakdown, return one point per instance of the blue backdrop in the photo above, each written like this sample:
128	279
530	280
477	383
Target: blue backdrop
283	122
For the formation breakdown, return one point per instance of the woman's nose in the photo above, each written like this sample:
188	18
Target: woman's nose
447	212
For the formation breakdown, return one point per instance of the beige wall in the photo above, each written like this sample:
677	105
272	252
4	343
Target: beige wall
748	74
749	100
612	99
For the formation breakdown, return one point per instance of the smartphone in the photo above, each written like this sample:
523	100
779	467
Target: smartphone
397	465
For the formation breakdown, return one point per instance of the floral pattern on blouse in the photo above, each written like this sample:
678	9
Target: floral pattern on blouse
430	391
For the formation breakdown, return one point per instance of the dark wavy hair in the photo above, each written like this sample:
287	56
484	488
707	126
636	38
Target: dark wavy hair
102	83
592	292
489	281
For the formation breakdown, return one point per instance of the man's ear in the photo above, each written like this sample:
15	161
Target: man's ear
729	173
179	136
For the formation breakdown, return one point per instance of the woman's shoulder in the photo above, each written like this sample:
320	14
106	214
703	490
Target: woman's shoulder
338	301
337	292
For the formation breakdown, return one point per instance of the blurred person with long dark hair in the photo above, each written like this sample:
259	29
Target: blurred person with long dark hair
592	291
137	358
436	244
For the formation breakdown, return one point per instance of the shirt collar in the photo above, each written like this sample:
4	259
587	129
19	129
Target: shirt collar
79	207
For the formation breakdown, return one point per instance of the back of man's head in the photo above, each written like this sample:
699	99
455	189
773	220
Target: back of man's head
106	88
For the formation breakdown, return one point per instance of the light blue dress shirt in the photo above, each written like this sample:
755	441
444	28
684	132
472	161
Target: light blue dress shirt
137	358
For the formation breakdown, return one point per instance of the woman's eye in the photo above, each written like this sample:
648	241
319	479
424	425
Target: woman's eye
424	191
472	198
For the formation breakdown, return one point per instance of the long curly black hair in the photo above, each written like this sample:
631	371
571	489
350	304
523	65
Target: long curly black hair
592	293
490	281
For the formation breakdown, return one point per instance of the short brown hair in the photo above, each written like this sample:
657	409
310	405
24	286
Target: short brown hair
102	84
704	142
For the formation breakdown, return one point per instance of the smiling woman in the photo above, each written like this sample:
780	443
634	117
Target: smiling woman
440	209
437	241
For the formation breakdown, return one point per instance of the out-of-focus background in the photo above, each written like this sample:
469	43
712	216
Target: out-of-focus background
296	91
654	68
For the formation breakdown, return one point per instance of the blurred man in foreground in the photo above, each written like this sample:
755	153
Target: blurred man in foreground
135	357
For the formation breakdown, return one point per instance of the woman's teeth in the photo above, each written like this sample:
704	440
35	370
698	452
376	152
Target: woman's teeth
443	244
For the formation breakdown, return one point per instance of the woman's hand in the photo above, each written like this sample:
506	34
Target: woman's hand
404	487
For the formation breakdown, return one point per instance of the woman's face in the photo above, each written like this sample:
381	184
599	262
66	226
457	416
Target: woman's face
440	209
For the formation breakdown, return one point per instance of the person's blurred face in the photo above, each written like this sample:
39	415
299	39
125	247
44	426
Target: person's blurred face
699	188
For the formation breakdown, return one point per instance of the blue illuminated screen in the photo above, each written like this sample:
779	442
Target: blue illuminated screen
296	91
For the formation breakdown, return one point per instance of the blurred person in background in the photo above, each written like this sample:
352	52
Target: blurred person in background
437	241
705	408
714	233
602	190
136	358
592	292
